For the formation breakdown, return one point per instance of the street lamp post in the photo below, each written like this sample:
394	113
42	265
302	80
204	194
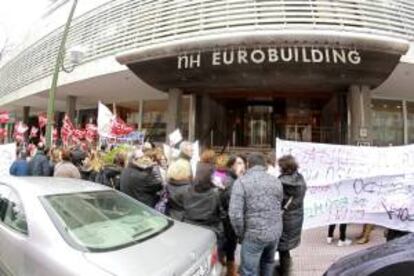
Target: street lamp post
58	65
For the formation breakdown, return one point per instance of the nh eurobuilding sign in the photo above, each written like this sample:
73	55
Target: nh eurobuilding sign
269	55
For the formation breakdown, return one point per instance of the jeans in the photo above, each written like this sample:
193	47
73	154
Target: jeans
342	231
257	258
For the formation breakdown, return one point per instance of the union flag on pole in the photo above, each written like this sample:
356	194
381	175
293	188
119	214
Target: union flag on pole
3	133
4	117
67	129
19	129
120	128
33	132
42	120
91	132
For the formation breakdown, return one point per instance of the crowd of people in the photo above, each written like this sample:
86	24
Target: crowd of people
242	199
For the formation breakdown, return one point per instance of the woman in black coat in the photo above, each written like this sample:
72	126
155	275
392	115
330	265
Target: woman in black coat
294	189
141	180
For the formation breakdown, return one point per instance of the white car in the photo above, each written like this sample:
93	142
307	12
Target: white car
56	226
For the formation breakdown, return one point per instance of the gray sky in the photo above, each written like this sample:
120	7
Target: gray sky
17	15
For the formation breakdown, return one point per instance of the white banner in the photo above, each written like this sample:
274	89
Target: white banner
324	164
350	184
382	200
105	118
8	155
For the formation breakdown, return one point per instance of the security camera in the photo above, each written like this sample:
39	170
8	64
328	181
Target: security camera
76	55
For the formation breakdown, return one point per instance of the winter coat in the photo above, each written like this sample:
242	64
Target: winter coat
202	208
109	176
39	165
294	186
225	202
19	168
175	208
141	183
255	206
66	169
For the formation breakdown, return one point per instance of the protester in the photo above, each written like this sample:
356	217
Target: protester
179	177
20	166
201	203
208	156
271	164
236	168
78	155
92	166
343	241
65	168
54	159
255	213
141	179
220	173
39	164
294	189
110	175
365	235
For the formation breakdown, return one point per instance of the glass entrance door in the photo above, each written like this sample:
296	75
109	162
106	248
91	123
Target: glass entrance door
258	125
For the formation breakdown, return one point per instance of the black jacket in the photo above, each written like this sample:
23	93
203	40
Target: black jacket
142	184
202	208
175	208
294	187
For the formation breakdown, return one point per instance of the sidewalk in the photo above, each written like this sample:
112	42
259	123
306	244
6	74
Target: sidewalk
314	256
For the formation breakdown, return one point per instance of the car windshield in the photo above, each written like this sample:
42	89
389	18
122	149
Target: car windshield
103	220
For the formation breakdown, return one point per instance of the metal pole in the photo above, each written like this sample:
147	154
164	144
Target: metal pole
58	65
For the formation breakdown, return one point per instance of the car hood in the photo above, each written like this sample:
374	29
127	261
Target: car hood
176	251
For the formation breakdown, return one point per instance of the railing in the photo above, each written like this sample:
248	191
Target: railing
122	25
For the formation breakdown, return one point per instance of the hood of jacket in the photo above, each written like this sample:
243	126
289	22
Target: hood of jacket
295	179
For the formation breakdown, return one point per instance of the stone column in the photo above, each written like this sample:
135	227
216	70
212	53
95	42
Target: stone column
174	108
26	114
359	102
71	107
192	117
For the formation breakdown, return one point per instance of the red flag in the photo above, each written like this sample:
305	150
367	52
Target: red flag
33	132
19	129
42	120
79	134
120	128
42	139
3	133
55	134
4	117
91	132
67	129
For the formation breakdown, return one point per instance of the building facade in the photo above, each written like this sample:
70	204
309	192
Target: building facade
235	73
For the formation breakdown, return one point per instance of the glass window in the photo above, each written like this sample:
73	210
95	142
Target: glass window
387	123
154	121
11	210
4	202
103	220
410	121
15	217
185	116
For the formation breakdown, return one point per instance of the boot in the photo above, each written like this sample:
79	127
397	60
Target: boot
231	269
285	267
366	232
